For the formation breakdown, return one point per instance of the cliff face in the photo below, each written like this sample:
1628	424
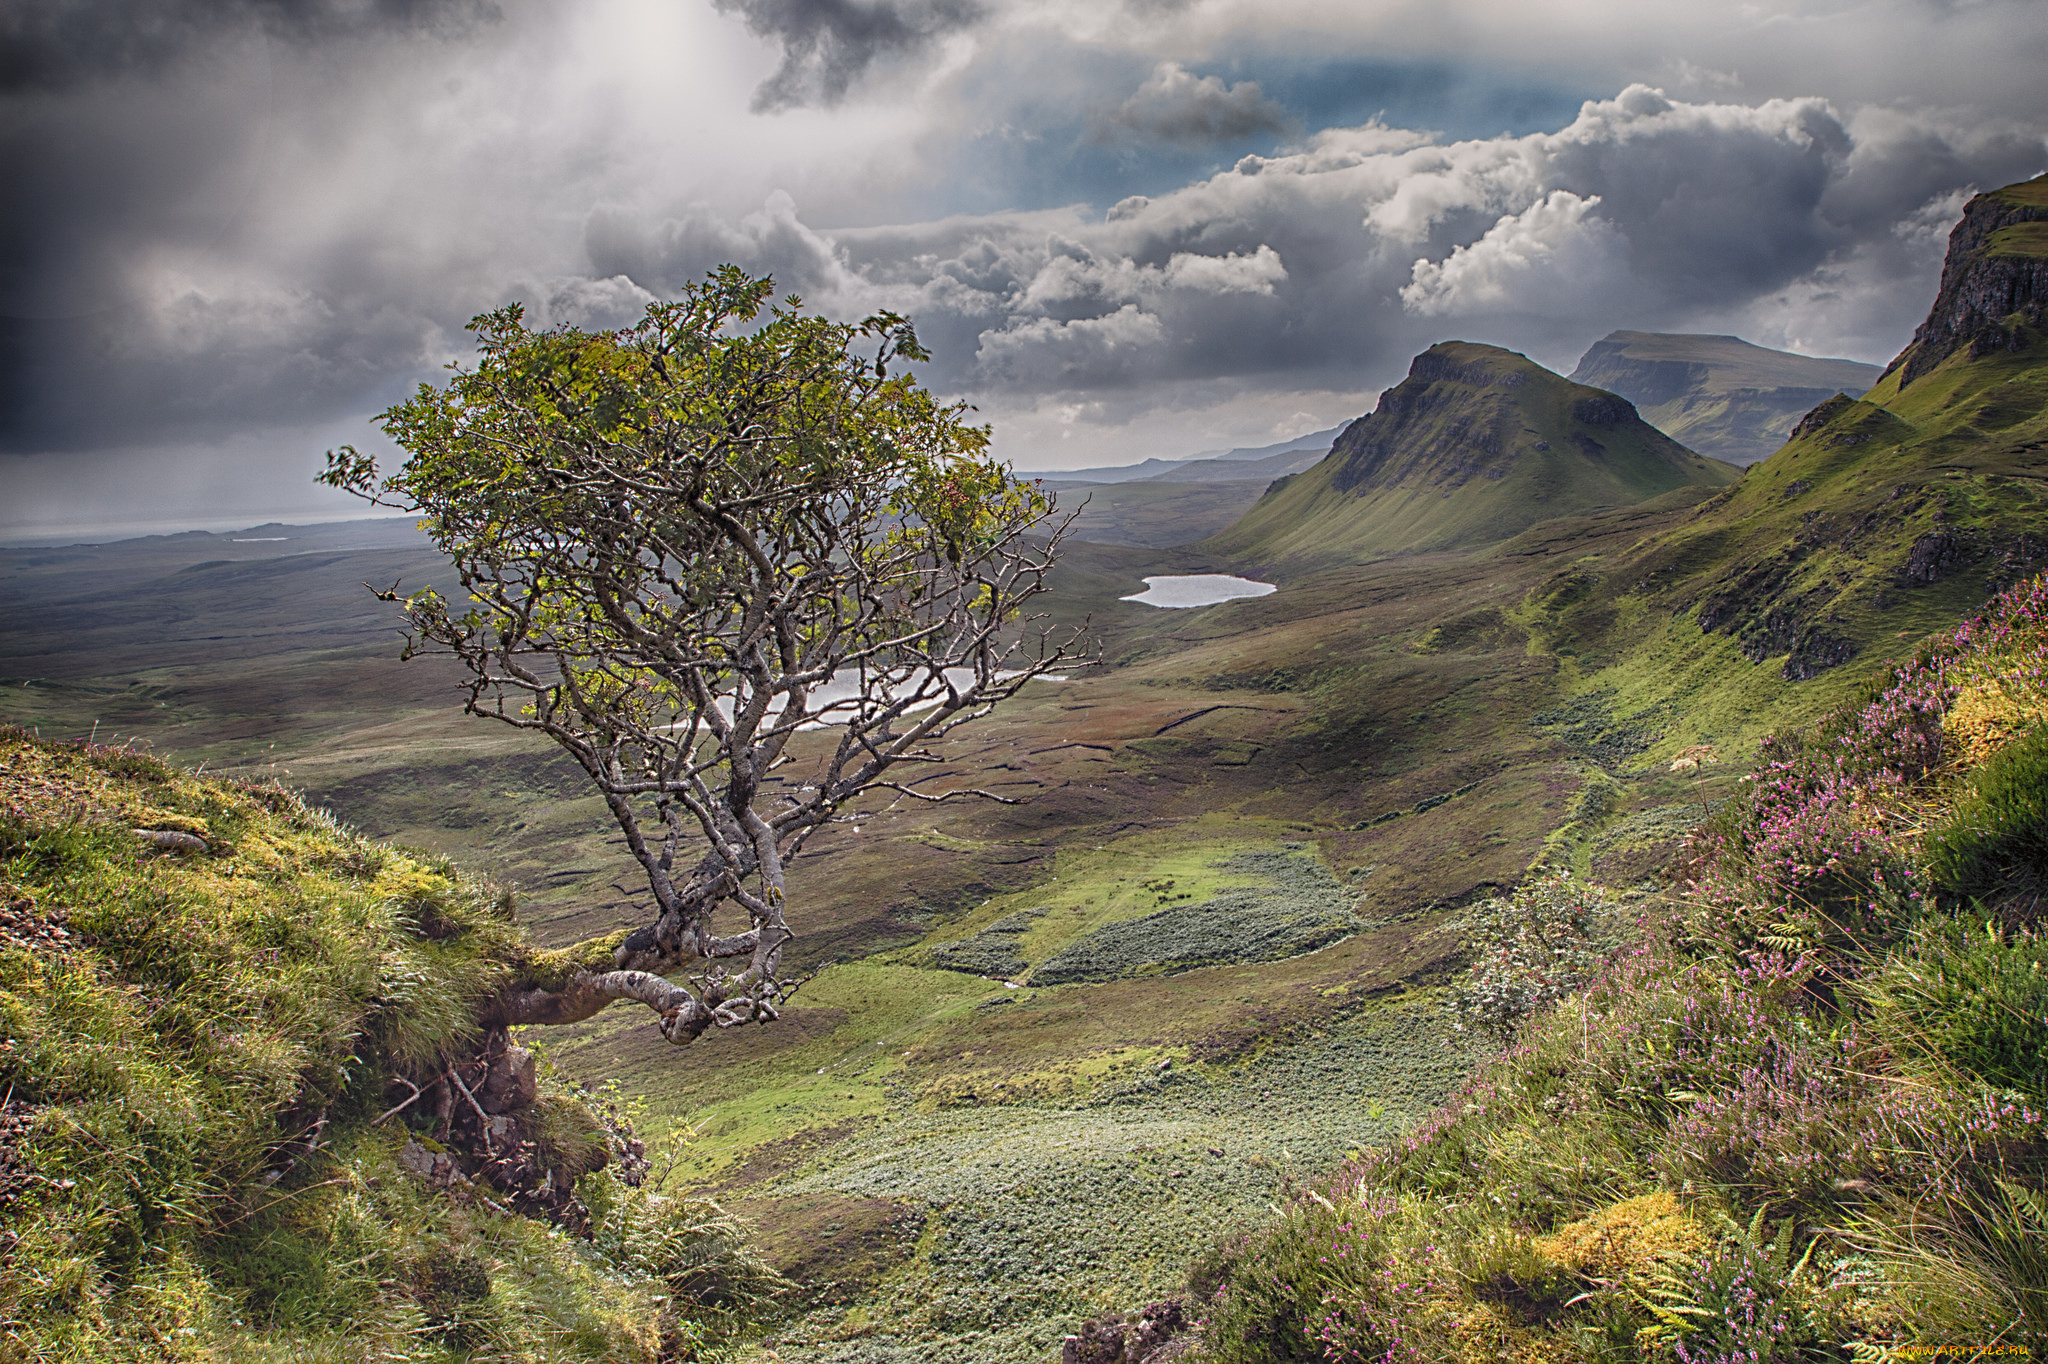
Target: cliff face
1719	395
1994	283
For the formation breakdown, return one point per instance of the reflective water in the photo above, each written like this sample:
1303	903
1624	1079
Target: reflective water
1198	589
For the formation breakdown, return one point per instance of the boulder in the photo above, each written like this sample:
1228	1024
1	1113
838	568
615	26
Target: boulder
510	1084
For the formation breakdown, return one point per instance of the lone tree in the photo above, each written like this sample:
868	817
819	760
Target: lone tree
737	570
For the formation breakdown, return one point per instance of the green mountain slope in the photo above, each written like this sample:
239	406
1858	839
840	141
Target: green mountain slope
1883	517
1719	395
1475	446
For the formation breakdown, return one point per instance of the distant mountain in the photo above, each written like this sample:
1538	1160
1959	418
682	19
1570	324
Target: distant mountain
1720	395
1476	445
1264	462
1116	473
1314	440
1230	469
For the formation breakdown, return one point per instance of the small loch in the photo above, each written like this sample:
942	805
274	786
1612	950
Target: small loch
1180	591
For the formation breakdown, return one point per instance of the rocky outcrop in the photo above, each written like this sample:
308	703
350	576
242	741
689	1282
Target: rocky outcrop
1156	1337
1937	554
1821	415
1994	281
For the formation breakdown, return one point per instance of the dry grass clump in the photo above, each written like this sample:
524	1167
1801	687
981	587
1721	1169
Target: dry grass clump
1988	713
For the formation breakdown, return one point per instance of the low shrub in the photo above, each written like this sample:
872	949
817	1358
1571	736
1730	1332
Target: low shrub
1532	947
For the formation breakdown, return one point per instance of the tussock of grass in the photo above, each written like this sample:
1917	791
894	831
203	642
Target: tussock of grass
195	1049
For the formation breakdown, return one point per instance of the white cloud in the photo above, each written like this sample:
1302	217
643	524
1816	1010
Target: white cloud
1551	256
1255	273
1176	105
1082	353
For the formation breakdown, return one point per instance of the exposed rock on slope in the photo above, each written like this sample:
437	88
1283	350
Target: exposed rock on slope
1475	446
1720	395
1994	283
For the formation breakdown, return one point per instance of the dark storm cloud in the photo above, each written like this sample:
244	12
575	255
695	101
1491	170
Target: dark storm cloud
1175	105
827	45
151	286
247	223
51	44
1323	267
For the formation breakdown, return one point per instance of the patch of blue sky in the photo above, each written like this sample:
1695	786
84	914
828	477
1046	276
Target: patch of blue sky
1045	145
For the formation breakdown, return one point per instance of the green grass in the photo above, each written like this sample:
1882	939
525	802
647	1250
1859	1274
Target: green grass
197	1051
1035	1216
2028	193
1298	907
1803	1117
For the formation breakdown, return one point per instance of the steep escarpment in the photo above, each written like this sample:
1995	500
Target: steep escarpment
1719	395
1474	446
1994	283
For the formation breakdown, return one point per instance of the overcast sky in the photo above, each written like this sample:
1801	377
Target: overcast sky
234	230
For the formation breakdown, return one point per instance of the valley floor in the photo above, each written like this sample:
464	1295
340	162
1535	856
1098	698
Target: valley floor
948	1166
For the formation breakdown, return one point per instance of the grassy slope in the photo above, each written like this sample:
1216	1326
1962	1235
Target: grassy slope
1803	1119
1812	550
195	1050
1538	468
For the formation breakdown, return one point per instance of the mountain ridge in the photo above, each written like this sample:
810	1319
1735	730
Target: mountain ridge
1720	395
1994	282
1210	466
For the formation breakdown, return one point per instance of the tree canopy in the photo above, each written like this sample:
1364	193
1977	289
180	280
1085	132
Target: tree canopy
741	571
